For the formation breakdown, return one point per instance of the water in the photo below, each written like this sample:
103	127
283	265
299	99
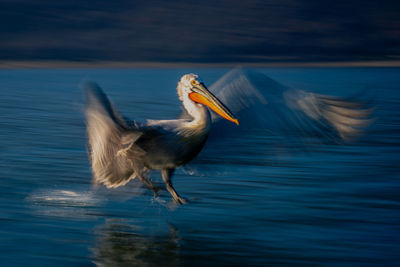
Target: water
254	201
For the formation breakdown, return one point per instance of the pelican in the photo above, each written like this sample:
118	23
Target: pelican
121	150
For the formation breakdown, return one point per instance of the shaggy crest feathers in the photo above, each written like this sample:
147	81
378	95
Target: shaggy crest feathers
184	84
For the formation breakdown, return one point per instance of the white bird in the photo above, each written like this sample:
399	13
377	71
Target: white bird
121	150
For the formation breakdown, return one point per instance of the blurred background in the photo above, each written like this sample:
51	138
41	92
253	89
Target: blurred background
200	31
256	198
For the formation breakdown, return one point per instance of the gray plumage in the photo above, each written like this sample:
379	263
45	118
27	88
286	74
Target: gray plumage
121	150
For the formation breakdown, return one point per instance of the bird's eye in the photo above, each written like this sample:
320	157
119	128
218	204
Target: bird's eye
193	82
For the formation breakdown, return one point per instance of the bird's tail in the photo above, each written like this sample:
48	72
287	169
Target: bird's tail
106	130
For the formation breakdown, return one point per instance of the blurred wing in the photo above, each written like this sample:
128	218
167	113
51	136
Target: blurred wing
260	102
110	140
331	116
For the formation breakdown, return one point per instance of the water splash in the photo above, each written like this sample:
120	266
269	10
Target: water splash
65	203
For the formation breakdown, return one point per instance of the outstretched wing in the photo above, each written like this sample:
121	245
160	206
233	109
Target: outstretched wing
260	102
109	140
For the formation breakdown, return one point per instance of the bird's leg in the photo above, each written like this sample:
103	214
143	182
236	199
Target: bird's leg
166	176
147	182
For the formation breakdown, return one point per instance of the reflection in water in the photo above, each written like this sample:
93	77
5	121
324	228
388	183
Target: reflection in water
259	199
121	244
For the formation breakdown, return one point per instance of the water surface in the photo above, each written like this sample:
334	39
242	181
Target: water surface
255	200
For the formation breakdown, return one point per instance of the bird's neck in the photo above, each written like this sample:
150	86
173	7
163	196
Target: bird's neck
201	118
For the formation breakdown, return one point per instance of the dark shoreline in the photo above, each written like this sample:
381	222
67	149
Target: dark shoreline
118	64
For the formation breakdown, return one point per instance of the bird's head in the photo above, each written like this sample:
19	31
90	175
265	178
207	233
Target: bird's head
191	87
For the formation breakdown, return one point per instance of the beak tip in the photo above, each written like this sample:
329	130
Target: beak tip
236	121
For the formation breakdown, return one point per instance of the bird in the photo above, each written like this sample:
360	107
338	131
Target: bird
121	149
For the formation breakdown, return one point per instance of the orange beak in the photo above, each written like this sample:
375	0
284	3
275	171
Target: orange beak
201	95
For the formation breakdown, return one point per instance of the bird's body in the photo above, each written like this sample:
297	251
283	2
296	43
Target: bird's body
121	150
171	143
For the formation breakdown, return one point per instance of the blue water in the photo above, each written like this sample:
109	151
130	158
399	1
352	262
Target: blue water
254	200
